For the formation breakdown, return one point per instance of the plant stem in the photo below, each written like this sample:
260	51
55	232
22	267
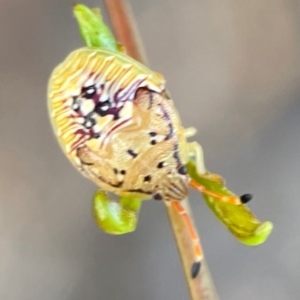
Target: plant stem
124	28
202	287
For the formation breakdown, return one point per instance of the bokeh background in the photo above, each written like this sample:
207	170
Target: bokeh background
233	69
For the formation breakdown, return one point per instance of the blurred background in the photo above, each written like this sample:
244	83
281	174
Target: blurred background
233	70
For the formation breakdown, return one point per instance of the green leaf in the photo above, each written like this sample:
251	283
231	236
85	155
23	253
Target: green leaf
238	219
116	217
92	29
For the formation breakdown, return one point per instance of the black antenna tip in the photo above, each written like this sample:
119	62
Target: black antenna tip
196	269
246	198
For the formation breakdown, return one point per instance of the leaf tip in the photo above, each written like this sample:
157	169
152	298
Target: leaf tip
263	231
259	236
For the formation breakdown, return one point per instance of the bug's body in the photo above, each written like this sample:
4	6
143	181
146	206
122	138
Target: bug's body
118	126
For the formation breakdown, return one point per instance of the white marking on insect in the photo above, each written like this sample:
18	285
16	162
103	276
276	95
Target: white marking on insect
126	110
120	177
104	97
91	90
90	81
88	124
69	101
159	138
80	120
87	107
127	66
158	111
75	106
97	128
105	107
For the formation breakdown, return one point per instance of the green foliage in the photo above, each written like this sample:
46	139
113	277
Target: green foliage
93	30
116	217
239	220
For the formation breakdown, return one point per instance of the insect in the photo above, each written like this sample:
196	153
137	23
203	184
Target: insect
118	125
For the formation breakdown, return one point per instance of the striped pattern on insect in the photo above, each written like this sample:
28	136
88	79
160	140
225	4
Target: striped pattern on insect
119	127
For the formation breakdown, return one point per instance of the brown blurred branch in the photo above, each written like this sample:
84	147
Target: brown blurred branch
202	287
124	28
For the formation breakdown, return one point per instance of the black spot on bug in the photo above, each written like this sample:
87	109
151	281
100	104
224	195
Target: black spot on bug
139	191
195	269
132	153
115	171
86	163
153	142
246	198
160	165
96	135
182	170
117	185
147	178
102	108
152	133
88	92
76	104
176	155
89	123
171	133
123	172
157	196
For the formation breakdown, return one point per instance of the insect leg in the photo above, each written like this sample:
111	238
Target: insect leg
189	132
193	234
196	152
230	199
